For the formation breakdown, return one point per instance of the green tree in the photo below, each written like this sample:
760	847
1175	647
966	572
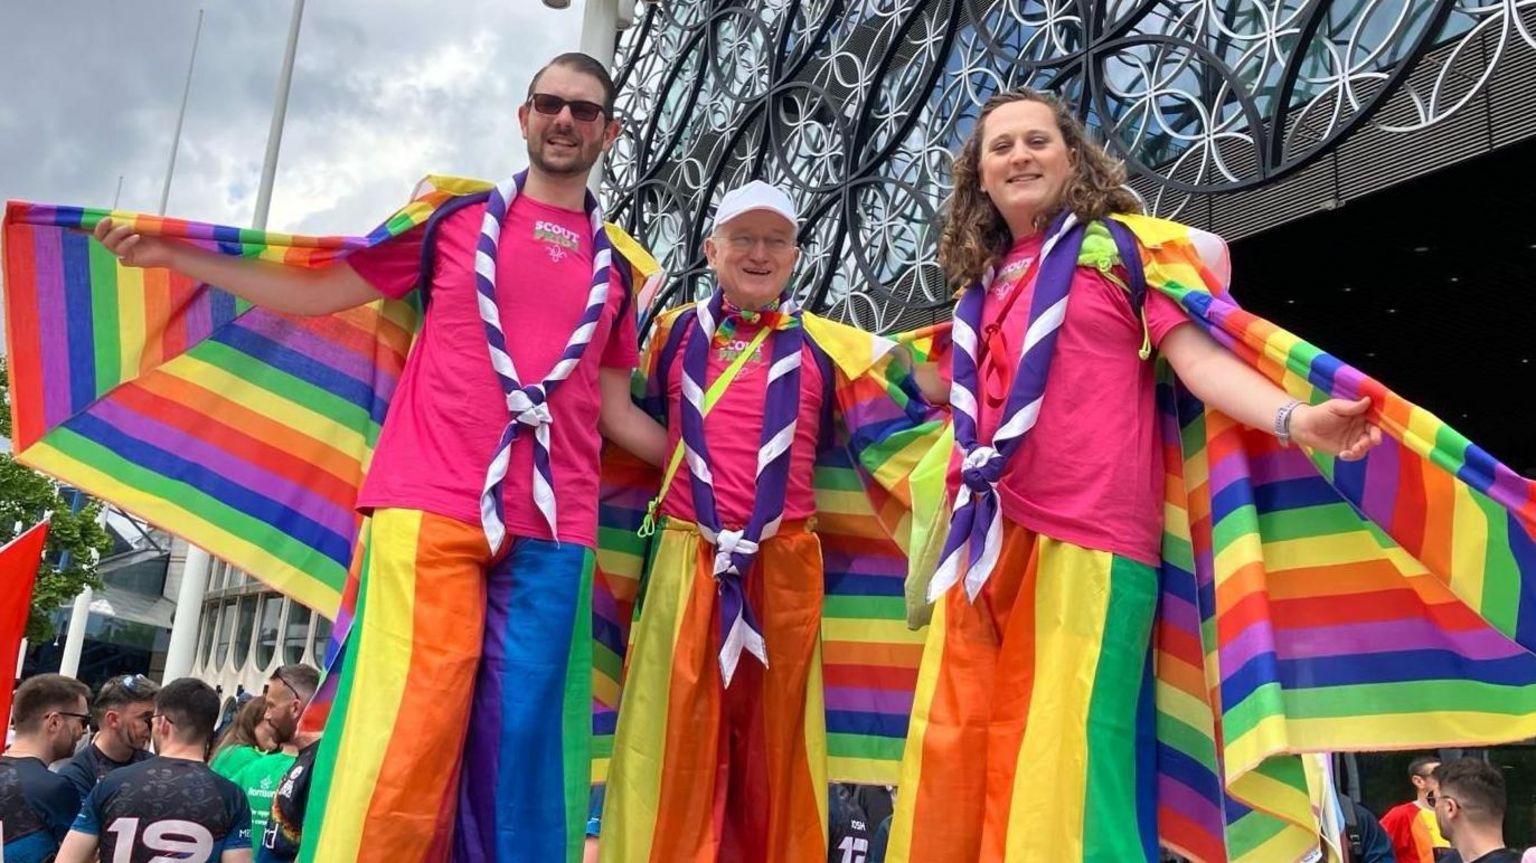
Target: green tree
74	537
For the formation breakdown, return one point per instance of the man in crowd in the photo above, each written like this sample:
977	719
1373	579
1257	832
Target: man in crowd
122	711
170	806
1411	825
279	783
36	806
1469	805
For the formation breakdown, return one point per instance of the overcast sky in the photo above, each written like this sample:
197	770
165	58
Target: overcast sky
384	91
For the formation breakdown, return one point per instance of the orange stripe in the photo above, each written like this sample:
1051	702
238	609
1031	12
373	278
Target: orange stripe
157	307
1016	577
693	731
412	798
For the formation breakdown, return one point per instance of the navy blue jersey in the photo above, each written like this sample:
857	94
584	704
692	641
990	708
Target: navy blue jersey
166	808
36	807
285	829
90	765
847	828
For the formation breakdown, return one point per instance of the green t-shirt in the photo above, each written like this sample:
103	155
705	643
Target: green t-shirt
259	781
232	759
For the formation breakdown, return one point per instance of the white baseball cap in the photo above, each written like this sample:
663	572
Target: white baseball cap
753	197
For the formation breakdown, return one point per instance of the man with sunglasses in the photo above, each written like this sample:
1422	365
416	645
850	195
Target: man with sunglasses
279	782
171	806
122	710
1415	835
1469	807
36	806
483	469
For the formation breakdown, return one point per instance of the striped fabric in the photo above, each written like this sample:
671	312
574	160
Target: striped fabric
866	486
244	431
1313	605
528	404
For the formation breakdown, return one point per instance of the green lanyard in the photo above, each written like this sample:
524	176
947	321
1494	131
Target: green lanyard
716	390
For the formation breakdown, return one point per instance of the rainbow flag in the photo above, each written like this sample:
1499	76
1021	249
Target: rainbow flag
866	484
1313	605
243	430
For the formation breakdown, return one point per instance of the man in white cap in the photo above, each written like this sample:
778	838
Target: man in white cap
721	749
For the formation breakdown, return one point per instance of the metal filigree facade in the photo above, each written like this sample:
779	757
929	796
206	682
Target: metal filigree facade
855	107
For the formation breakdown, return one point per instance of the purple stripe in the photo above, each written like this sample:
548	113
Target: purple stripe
891	702
1346	383
199	317
1232	468
1353	639
1279	466
53	335
300	339
1191	804
1382	473
482	750
1257	639
259	481
1180	613
864	563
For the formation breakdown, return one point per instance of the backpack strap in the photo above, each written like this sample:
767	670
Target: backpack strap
429	239
1129	252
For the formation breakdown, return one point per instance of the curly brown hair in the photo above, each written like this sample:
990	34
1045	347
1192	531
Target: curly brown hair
975	236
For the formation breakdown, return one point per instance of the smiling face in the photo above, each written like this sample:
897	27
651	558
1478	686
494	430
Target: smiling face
1024	163
559	143
753	256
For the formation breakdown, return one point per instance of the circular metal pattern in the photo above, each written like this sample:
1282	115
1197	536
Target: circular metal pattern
855	108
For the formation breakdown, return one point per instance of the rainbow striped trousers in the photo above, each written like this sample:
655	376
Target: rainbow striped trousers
1032	734
704	773
462	722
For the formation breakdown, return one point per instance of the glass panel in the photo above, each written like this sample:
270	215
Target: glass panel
210	626
247	625
321	639
216	574
226	628
266	644
296	633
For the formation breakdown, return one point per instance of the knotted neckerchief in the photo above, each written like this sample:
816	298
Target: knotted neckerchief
735	550
529	405
976	525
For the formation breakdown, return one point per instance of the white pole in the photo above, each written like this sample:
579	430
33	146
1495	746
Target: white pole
599	39
279	112
21	657
74	640
186	90
182	652
119	194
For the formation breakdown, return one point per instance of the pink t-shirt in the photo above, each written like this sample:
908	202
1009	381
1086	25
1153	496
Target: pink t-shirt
734	430
1090	472
448	413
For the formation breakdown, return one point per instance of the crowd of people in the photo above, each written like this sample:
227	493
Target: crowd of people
1028	736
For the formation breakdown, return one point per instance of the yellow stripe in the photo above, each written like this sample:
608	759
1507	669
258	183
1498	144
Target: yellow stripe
816	738
130	320
189	525
900	848
378	678
634	780
1071	602
1468	551
301	419
865	631
863	771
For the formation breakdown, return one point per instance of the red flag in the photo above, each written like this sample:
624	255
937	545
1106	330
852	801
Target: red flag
19	560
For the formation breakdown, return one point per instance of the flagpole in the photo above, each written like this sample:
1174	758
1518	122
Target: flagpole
186	90
279	112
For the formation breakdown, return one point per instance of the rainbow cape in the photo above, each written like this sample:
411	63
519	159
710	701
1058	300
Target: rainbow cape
875	462
1308	604
243	430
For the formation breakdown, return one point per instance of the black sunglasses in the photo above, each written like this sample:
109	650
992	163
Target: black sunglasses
136	685
551	105
84	718
278	676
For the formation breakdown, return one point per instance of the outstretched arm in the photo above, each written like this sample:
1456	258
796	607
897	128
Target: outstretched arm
1224	382
77	848
624	423
295	290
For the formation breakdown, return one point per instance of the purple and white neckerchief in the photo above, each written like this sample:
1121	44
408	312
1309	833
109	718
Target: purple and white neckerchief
976	524
735	550
529	405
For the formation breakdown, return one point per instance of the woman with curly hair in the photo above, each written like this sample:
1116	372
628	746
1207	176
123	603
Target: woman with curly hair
1027	735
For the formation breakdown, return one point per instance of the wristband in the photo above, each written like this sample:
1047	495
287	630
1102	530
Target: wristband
1283	421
